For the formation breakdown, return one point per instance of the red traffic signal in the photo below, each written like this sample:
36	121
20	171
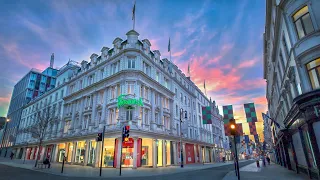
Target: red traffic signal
99	137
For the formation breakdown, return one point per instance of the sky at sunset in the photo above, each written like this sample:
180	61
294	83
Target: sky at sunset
221	39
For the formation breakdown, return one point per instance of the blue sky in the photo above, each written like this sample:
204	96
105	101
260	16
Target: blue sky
221	39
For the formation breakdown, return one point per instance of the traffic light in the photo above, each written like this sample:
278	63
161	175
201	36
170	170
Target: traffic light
232	124
99	137
125	133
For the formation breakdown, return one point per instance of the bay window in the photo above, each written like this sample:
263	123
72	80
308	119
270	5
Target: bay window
313	69
302	22
131	63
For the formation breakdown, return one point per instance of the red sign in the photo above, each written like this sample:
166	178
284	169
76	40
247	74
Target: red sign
128	144
189	153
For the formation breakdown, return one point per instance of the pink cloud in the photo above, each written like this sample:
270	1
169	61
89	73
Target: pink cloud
179	53
248	63
154	44
5	99
26	59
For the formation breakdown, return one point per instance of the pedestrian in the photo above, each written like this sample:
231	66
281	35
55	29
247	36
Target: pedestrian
46	161
11	155
268	159
224	159
264	161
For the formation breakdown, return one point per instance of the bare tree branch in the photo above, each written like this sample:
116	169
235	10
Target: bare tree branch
39	127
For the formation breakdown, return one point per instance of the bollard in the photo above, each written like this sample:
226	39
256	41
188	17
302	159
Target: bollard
258	164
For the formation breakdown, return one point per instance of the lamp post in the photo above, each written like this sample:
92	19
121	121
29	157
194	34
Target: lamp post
181	149
233	132
4	133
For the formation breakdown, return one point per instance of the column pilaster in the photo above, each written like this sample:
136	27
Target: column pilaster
86	153
135	150
154	153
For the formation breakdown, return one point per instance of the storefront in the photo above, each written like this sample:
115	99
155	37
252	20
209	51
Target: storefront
61	152
189	153
70	152
92	152
146	152
80	152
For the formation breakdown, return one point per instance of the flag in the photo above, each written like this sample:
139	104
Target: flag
189	68
250	111
206	115
252	128
239	129
204	84
246	139
227	115
169	49
238	139
266	117
256	138
134	11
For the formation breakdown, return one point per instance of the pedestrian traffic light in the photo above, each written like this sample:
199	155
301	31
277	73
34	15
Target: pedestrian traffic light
232	124
125	133
99	137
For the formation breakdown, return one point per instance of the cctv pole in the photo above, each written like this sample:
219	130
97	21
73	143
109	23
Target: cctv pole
102	144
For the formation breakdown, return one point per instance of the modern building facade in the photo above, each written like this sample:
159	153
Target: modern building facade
128	84
292	71
32	85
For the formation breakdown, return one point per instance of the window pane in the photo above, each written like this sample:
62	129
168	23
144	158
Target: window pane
307	23
313	64
300	13
129	63
314	79
299	29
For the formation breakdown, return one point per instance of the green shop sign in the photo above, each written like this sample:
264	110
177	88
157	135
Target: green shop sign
122	101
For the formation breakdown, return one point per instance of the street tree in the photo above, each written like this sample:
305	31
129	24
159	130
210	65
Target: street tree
41	124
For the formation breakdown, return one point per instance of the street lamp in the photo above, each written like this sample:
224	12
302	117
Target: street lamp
232	123
181	149
4	133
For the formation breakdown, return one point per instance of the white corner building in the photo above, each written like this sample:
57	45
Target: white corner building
127	84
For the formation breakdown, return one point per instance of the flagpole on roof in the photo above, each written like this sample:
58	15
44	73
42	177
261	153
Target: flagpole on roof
170	49
134	14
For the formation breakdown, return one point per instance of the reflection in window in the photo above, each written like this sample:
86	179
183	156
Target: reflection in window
313	69
303	23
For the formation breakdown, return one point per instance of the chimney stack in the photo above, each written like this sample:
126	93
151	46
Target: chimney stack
52	60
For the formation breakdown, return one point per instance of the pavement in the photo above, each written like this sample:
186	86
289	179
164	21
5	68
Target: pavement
269	172
16	170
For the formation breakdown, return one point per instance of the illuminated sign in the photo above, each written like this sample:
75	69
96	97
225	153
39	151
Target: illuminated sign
122	101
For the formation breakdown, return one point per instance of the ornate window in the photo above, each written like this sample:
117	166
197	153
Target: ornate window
313	69
302	22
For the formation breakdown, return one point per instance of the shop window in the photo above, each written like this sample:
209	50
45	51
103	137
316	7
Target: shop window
159	153
70	152
146	152
80	152
313	69
302	22
108	153
61	152
92	152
